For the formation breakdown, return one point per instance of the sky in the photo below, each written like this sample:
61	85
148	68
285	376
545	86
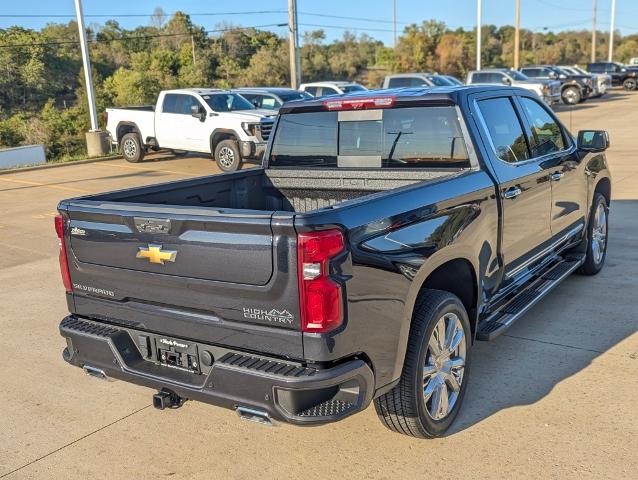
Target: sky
373	17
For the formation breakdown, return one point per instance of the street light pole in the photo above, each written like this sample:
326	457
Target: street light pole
96	141
394	20
517	34
293	40
478	34
611	31
88	77
593	32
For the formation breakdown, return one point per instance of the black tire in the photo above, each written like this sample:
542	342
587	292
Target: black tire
594	262
404	409
571	96
132	148
629	84
227	155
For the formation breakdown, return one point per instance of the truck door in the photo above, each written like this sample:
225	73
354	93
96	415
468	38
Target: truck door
196	131
524	184
170	127
548	141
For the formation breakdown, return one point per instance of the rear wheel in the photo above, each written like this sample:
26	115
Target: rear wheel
227	155
571	96
434	378
596	236
132	148
629	84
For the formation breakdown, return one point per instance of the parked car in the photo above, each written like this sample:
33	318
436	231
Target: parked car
574	88
415	80
633	61
601	82
383	236
219	122
620	75
323	89
548	90
270	98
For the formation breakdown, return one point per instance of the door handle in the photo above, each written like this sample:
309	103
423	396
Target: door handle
556	176
512	192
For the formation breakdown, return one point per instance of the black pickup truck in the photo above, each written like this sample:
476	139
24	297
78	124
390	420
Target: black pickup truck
385	233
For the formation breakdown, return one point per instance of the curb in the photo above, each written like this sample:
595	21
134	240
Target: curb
56	165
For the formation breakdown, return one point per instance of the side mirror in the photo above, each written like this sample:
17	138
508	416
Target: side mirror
593	140
197	113
562	76
506	81
553	75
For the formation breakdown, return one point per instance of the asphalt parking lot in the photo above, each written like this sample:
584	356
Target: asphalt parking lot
556	397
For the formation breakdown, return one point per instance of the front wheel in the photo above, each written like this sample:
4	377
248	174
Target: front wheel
596	236
227	155
629	84
429	394
571	96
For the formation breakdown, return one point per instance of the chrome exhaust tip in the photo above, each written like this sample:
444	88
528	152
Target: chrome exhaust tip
95	372
257	416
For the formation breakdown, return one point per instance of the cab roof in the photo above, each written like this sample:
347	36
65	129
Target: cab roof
447	95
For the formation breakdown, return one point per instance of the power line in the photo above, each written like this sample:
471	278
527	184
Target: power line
133	15
136	37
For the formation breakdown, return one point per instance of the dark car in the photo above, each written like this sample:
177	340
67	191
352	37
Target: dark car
385	234
271	98
575	88
621	75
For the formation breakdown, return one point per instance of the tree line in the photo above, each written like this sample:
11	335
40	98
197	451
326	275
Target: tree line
43	100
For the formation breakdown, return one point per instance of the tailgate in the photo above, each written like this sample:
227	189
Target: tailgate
226	277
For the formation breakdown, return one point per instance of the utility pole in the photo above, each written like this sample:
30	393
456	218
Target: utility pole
293	40
95	140
193	47
478	34
394	20
517	34
593	32
611	31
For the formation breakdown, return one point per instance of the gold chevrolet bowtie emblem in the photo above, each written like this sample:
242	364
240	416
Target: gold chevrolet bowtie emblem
155	254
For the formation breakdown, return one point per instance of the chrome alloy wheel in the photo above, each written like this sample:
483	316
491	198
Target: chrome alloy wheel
599	233
570	95
444	366
129	147
226	156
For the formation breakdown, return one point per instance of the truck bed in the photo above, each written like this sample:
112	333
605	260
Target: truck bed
297	191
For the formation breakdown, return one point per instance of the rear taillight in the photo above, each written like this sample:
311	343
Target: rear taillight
319	296
64	263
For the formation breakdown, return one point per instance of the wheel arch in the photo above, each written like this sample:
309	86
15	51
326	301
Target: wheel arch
449	271
603	186
127	127
220	134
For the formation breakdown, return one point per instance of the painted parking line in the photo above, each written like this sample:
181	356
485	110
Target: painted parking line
39	184
106	164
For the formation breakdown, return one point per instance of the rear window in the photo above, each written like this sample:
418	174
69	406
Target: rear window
415	137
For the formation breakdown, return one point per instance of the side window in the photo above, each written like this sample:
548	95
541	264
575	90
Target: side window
480	78
188	102
327	91
596	68
252	98
547	136
269	103
532	72
171	103
311	90
398	82
505	130
496	77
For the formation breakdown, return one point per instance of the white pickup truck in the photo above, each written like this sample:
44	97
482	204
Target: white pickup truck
218	122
